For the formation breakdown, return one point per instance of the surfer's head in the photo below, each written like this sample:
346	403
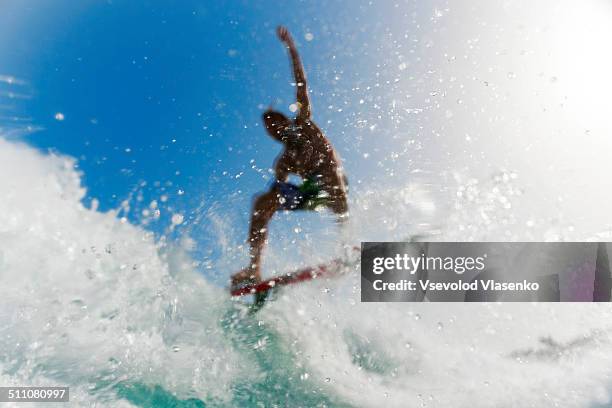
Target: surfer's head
276	123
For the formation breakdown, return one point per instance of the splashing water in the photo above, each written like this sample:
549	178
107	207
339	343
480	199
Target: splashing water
92	302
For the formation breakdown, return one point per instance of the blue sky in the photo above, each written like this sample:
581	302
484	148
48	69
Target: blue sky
164	98
181	84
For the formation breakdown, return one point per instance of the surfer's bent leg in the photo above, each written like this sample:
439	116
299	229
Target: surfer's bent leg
338	200
263	209
338	203
282	196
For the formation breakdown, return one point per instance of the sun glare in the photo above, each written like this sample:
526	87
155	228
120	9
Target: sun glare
583	59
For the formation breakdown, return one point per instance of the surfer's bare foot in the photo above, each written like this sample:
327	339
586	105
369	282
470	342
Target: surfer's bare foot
248	274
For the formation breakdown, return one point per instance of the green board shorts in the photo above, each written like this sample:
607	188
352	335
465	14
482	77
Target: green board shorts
307	196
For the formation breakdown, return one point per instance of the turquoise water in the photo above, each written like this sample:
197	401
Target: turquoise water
280	384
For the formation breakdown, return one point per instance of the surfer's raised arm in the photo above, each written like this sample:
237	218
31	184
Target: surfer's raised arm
298	72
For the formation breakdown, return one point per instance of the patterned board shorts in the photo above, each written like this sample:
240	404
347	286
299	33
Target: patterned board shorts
307	196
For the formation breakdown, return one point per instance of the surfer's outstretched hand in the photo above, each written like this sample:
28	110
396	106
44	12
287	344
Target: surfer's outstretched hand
283	34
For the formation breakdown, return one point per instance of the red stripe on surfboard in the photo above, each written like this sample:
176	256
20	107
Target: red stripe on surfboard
293	277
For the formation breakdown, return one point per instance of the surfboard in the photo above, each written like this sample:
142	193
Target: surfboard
300	275
328	269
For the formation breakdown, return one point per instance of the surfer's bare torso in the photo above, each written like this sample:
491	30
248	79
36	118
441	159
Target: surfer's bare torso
309	154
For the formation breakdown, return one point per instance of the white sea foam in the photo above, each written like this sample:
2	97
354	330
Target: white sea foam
448	355
87	299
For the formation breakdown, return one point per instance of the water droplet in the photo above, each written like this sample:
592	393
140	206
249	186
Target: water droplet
177	219
308	36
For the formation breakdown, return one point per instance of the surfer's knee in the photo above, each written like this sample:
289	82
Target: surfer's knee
339	205
266	202
340	208
258	203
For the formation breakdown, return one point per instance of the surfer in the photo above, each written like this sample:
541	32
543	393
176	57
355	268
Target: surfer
306	153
